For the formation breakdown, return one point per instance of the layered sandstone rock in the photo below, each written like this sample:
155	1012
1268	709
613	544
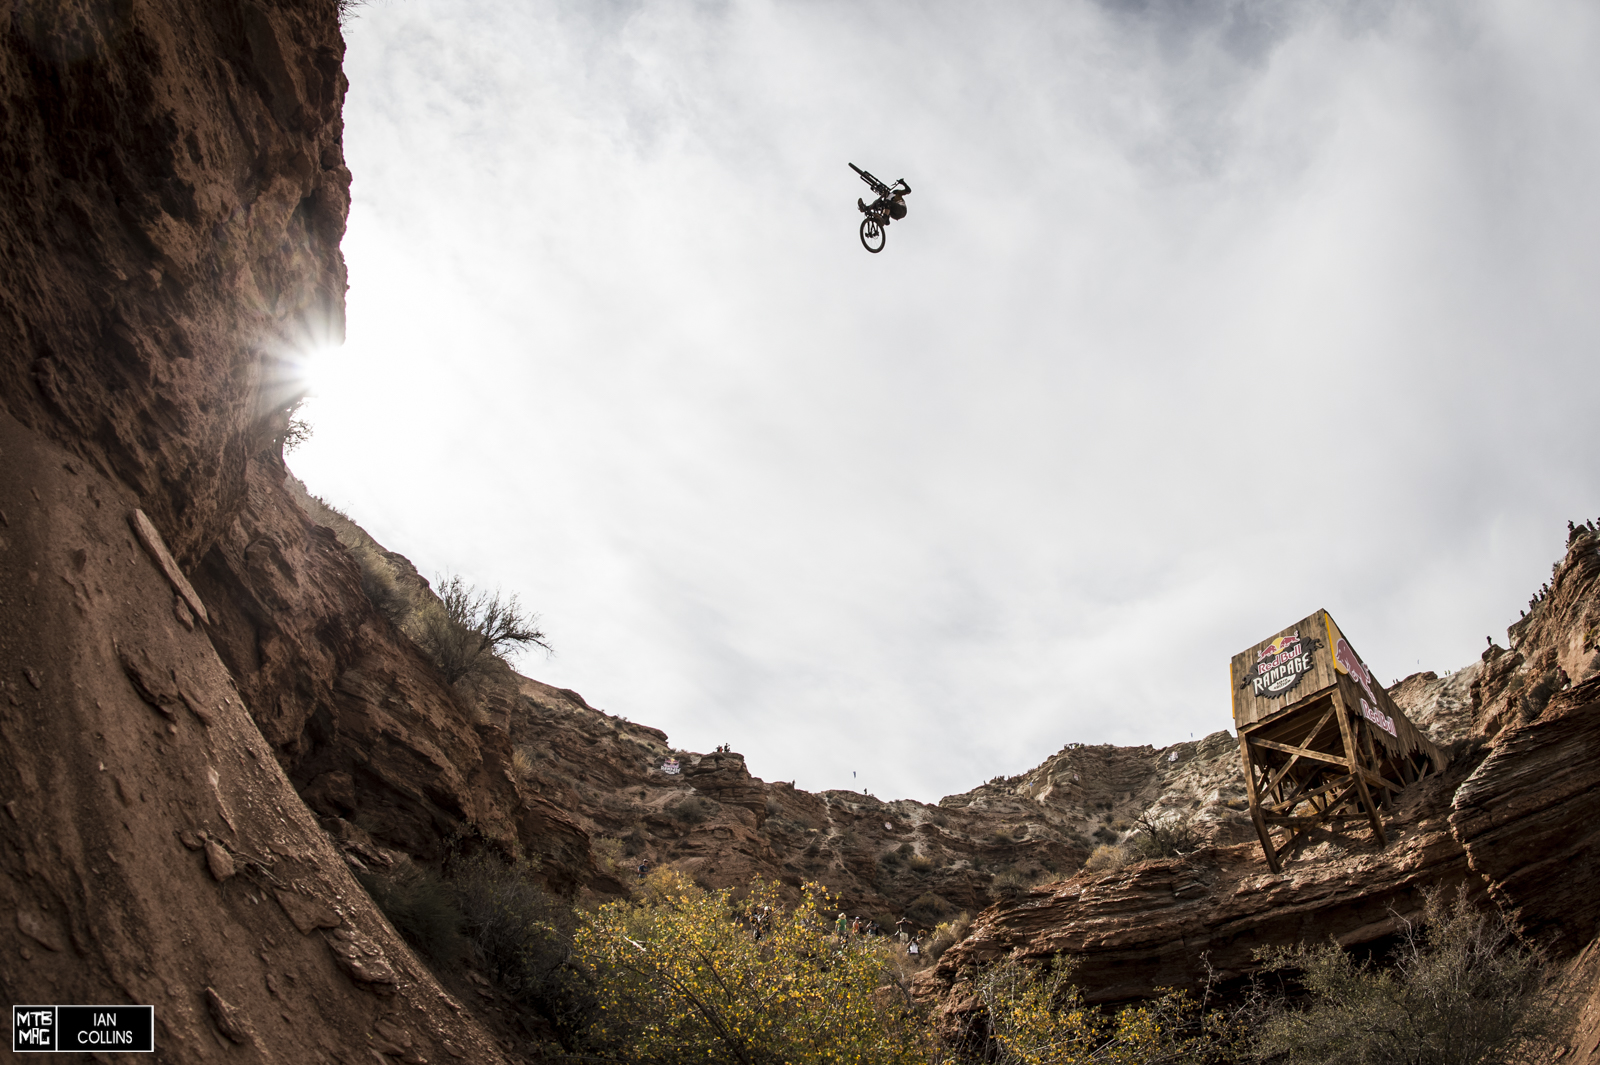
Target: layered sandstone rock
173	198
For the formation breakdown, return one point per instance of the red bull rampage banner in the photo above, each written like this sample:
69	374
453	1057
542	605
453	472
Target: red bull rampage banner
1280	665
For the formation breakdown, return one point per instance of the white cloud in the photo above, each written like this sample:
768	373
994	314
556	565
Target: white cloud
1197	324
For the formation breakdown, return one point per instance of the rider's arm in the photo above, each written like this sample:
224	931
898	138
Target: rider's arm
904	188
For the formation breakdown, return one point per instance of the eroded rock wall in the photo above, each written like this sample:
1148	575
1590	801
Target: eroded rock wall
173	198
174	194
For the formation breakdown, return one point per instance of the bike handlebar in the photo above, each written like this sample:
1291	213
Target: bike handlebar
877	185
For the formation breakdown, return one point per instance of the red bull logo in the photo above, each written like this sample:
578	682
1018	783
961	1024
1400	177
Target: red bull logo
1280	664
1346	656
1378	717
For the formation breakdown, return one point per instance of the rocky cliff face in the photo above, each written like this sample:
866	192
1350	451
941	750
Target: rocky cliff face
1512	820
174	195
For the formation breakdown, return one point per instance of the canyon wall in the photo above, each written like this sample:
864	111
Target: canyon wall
174	194
209	726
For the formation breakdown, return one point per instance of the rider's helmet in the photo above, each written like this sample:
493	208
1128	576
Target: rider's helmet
897	206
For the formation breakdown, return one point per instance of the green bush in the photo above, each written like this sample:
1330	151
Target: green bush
379	584
1035	1016
423	908
684	977
495	915
948	933
928	909
1106	858
523	935
1463	990
692	810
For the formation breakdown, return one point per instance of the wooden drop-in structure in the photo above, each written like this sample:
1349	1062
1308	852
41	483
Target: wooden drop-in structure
1324	746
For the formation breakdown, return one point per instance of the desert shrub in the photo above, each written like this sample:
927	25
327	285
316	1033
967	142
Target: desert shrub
423	908
692	810
920	863
681	978
467	628
1462	990
522	761
1537	697
610	856
906	850
378	582
928	908
1036	1016
948	933
296	432
1165	837
523	934
890	858
1105	835
1105	858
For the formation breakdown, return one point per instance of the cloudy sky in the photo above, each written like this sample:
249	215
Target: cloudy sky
1205	315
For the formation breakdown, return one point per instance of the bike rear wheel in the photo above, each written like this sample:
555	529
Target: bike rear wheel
872	235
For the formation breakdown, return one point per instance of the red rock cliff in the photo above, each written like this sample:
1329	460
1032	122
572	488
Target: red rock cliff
174	196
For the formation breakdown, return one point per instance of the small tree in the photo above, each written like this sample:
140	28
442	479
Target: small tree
1462	991
688	975
1037	1016
467	624
1165	837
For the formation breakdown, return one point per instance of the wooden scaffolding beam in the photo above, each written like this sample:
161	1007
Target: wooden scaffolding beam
1331	759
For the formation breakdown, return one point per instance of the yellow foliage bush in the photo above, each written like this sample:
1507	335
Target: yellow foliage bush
1038	1017
1106	858
683	974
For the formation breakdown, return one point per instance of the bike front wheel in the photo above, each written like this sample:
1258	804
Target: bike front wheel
872	235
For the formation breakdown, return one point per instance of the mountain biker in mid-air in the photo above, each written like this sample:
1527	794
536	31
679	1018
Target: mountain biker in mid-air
889	206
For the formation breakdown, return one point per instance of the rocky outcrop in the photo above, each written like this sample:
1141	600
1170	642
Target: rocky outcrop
1513	820
359	718
1529	819
1178	922
1555	643
175	193
173	198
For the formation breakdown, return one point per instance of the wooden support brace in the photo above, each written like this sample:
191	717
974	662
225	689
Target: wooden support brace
1359	772
1311	738
1262	831
1320	756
